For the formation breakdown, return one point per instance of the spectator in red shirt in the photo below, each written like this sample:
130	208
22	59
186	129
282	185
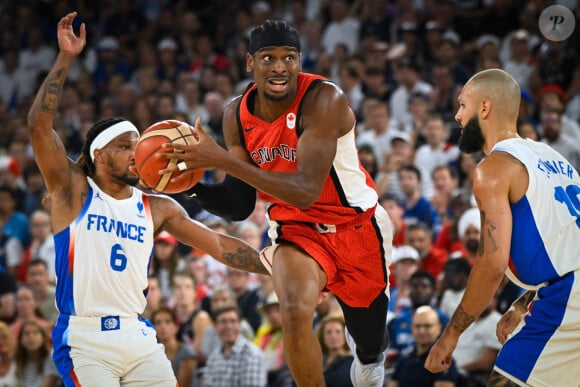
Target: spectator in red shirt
433	259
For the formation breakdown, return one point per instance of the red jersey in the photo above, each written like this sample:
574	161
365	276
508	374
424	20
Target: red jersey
348	189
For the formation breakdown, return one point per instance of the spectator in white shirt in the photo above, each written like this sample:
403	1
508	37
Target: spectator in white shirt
378	129
520	64
437	151
341	29
409	83
13	79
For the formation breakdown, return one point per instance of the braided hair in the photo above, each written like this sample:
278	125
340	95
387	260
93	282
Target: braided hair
84	161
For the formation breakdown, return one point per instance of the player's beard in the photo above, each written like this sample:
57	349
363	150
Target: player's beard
128	179
471	140
122	177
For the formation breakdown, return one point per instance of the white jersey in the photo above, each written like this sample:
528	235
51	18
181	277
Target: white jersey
546	221
102	258
544	350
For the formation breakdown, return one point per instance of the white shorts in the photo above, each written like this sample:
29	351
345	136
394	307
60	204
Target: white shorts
110	351
544	350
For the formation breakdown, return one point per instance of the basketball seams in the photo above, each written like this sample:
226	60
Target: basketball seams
155	136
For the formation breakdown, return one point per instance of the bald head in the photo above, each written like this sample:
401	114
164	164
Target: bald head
501	89
426	313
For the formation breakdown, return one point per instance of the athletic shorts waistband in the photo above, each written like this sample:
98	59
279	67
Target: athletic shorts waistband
98	323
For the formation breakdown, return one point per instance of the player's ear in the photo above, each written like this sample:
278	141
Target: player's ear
485	108
249	62
299	61
98	156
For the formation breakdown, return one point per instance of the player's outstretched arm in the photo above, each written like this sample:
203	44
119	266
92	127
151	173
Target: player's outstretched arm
49	150
168	215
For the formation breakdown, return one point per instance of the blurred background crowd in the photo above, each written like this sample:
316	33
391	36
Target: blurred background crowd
401	64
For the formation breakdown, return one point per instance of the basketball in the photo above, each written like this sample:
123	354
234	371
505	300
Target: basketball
148	166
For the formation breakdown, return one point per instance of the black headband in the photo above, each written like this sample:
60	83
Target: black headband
260	39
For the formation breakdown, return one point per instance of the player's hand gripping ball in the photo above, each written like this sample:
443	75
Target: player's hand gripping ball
148	166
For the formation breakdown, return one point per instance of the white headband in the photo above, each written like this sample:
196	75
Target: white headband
109	134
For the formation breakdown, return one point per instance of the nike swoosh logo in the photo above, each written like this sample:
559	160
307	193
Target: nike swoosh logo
250	128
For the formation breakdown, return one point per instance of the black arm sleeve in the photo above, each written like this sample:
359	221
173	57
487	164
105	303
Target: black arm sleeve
233	199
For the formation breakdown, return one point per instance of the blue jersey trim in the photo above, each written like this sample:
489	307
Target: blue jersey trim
61	349
528	253
520	353
65	301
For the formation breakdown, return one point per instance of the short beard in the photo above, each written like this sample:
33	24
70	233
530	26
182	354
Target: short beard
126	179
471	140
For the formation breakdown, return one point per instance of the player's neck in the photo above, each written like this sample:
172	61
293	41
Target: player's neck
500	136
269	110
114	189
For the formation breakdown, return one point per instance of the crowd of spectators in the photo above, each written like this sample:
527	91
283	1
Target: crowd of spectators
401	64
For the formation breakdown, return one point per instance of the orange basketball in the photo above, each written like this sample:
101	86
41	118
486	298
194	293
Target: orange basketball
148	166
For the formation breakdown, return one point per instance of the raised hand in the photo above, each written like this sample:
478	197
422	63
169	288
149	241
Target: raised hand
205	154
68	42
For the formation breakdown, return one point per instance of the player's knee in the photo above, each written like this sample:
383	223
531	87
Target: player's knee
296	315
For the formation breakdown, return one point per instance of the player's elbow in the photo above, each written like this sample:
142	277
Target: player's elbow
33	124
304	204
306	198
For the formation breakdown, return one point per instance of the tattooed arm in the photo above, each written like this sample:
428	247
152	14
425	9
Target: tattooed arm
493	189
492	192
49	150
65	188
170	216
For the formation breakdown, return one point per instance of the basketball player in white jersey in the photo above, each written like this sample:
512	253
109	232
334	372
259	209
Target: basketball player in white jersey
529	200
104	230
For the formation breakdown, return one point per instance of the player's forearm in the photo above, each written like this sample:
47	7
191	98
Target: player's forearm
239	255
47	99
481	287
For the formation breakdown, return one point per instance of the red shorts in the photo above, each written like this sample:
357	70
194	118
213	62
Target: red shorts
355	256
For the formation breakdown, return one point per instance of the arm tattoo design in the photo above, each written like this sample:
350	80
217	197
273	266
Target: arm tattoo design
245	259
461	320
51	92
488	229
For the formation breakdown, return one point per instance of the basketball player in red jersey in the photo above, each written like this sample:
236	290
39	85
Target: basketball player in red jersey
291	137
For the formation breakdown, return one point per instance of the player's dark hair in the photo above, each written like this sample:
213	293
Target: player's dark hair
273	33
84	161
